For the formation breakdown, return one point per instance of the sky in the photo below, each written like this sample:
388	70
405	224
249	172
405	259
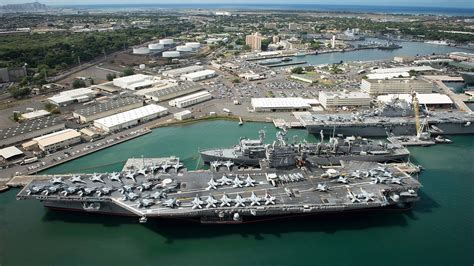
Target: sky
430	3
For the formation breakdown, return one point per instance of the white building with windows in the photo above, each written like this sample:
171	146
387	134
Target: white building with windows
348	99
395	86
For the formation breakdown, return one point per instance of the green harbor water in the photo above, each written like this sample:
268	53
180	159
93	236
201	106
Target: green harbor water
439	230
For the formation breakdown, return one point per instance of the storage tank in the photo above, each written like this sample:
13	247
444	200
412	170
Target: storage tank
170	54
156	46
184	48
194	45
166	41
141	50
142	66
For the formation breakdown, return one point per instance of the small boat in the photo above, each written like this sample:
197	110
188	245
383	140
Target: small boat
441	139
241	122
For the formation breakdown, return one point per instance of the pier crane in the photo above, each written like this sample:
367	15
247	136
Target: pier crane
420	134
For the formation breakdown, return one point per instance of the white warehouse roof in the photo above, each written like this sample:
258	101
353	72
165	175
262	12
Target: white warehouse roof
70	95
388	75
429	99
130	115
10	152
35	114
199	74
290	102
402	69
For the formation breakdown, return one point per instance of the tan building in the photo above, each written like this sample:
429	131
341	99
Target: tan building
254	41
339	99
58	140
395	86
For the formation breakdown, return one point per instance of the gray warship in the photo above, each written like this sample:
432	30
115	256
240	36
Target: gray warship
228	194
250	151
395	118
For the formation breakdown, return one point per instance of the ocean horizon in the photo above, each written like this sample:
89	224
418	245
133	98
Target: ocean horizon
411	10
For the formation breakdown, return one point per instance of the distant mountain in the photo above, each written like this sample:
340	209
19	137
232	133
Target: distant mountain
26	7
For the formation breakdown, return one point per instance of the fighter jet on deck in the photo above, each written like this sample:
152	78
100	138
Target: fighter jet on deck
197	202
224	180
269	199
254	200
97	178
225	200
239	201
77	179
212	184
237	182
322	188
115	177
211	202
172	203
56	180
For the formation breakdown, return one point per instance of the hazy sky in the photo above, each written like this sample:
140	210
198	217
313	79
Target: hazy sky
431	3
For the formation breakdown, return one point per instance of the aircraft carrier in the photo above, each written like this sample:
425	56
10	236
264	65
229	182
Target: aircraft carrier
391	119
229	194
250	151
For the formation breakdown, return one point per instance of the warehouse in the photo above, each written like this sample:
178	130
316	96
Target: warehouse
135	82
200	75
344	99
186	114
130	118
108	108
430	100
174	73
395	86
171	92
11	152
30	129
192	99
289	104
58	140
72	96
34	114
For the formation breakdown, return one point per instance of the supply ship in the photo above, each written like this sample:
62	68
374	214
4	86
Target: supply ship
280	186
250	151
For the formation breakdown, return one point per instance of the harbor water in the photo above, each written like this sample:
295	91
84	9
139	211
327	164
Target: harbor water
408	49
439	230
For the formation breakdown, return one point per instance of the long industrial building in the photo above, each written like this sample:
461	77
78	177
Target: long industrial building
30	129
171	92
395	86
191	99
289	104
130	118
72	96
348	99
107	108
58	140
200	75
177	72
